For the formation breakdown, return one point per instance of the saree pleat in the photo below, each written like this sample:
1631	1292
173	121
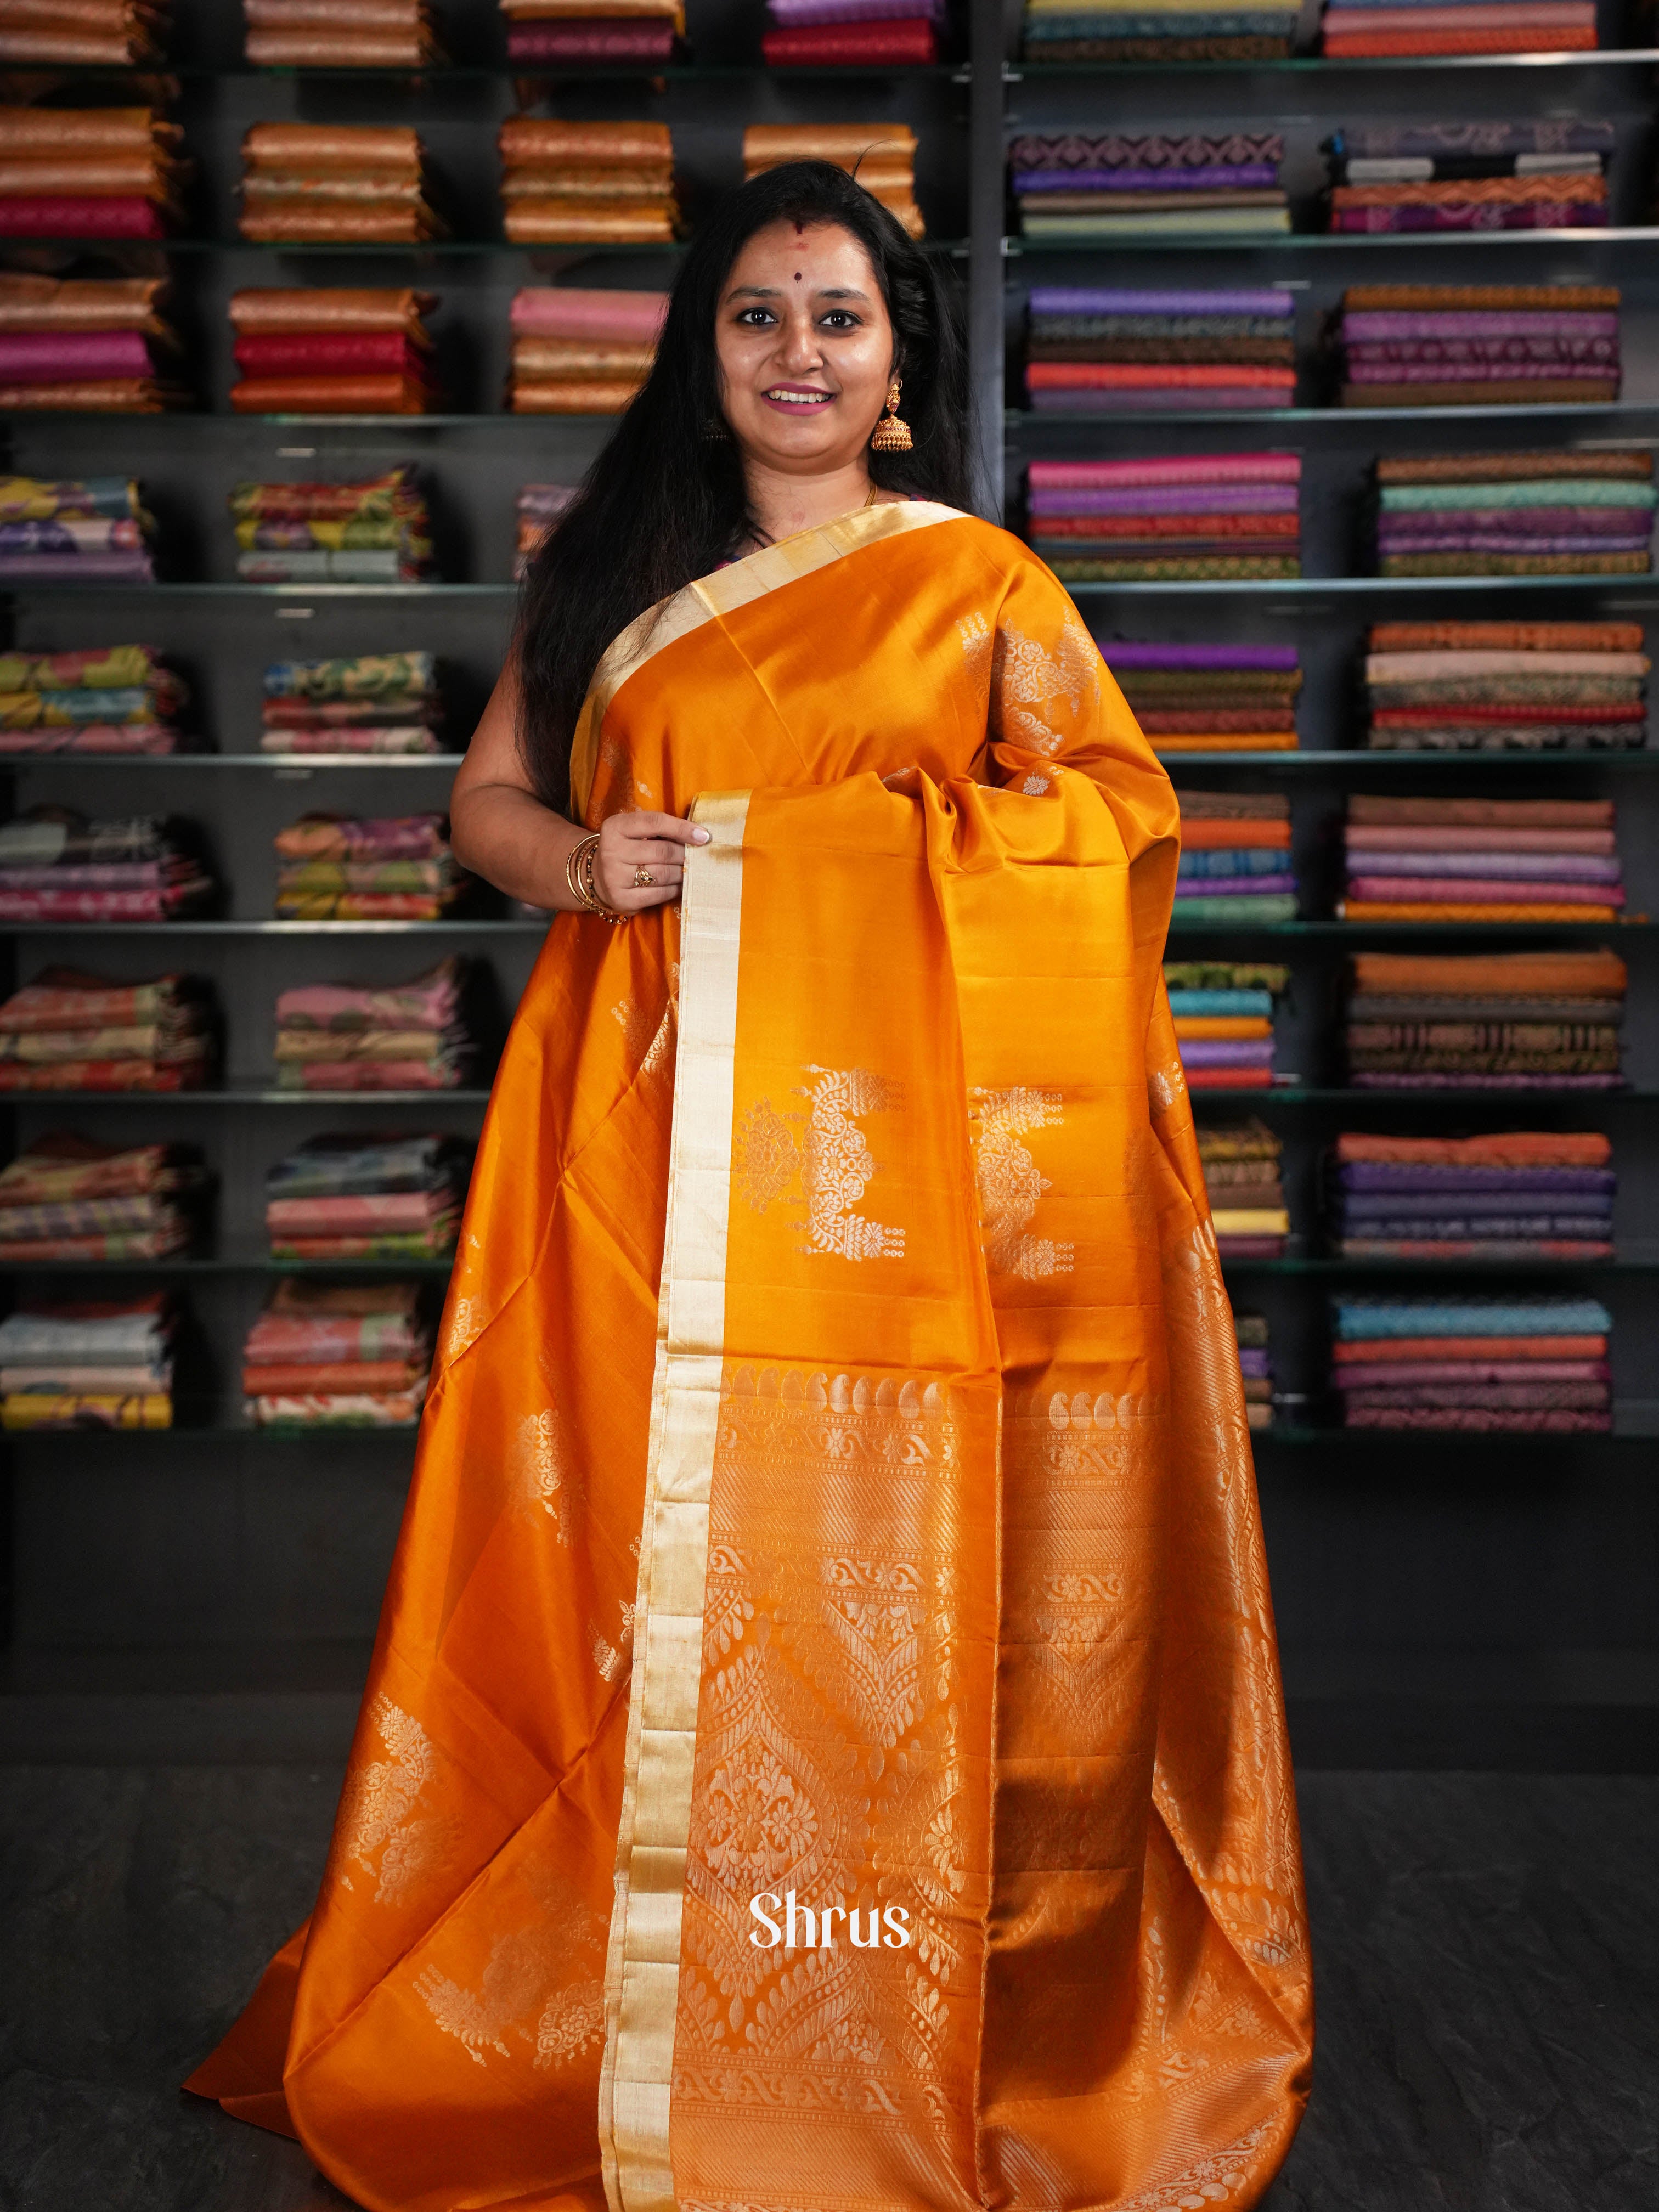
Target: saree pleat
834	1487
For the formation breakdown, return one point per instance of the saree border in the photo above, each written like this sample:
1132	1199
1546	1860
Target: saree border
642	1960
738	585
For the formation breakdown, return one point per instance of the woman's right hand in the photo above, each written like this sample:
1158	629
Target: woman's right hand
631	842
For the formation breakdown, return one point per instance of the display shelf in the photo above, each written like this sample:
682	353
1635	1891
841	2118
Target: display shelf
1369	587
1413	932
281	763
247	1259
1340	1440
1352	1097
1341	760
566	250
102	930
438	75
1434	1270
173	1102
1018	247
1334	66
1024	419
230	588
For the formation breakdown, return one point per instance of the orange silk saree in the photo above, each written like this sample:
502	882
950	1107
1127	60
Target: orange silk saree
824	1748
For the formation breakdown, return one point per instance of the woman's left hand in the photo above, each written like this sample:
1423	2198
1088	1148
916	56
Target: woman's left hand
634	846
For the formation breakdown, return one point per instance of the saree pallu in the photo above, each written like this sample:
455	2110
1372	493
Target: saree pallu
834	1484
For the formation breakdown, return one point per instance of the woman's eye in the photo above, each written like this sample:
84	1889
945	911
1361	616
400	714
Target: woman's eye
839	319
754	317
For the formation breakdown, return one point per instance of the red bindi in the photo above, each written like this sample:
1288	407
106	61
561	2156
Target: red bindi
796	275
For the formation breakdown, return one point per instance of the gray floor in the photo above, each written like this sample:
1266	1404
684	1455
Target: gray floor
1488	1950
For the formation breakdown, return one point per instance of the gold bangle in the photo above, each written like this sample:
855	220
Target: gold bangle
584	888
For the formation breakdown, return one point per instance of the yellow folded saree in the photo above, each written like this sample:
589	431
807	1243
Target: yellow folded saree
834	1494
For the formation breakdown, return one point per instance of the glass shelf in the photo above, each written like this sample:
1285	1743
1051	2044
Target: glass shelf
281	763
1373	587
1346	1094
173	1102
1019	247
1401	933
1506	1440
1355	1270
244	1260
502	72
1031	418
226	589
187	928
1331	65
566	249
1324	763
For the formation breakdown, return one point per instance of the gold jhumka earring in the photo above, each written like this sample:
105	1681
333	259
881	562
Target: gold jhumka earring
891	436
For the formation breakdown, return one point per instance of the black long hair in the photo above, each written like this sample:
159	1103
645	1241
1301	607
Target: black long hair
665	502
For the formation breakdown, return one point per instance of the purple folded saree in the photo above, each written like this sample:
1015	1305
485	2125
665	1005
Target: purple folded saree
1380	1175
1359	324
1142	653
76	569
1232	176
1166	498
1072	299
68	356
1227	1052
1169	399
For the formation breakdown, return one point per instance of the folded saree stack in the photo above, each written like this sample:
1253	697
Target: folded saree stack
1536	1364
581	352
878	34
1506	687
1223	1011
89	173
345	184
1235	858
66	1198
585	183
1502	1021
56	865
377	532
538	507
1181	519
1481	860
371	703
333	867
341	35
1471	176
332	352
1246	1195
107	1364
84	34
68	1030
1577	514
881	155
1160	30
356	1197
1519	1194
91	531
93	345
1477	345
109	699
1384	30
1158	352
1210	698
1256	1364
561	32
372	1036
325	1356
1081	190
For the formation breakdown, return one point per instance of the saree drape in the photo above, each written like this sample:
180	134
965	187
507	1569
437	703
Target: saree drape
834	1493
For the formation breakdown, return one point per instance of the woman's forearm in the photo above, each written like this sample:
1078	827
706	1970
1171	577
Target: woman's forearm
500	832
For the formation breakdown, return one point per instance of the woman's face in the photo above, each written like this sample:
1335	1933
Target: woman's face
805	348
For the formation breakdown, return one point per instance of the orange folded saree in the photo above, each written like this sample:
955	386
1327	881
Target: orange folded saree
824	1744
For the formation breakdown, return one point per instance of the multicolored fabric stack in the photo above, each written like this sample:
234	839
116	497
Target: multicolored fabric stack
876	34
329	1356
560	32
85	34
1489	1021
1534	1364
68	1030
94	531
882	156
107	1364
373	703
356	1197
581	352
93	345
584	183
1471	176
538	507
110	699
66	1198
1480	860
372	1036
1223	1011
334	868
1188	517
1585	513
341	35
1479	345
1158	352
347	184
1080	190
90	173
1519	1196
1382	30
1506	687
333	352
1255	1362
1210	698
1246	1195
377	532
56	865
1160	30
1235	858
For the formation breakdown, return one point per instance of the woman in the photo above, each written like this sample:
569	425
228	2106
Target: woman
824	1744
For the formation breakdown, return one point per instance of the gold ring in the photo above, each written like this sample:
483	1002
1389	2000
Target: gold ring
643	880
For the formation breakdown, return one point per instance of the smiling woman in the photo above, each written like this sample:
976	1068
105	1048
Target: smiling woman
834	1493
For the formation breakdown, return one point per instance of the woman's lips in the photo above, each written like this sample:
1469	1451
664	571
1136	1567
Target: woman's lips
796	399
